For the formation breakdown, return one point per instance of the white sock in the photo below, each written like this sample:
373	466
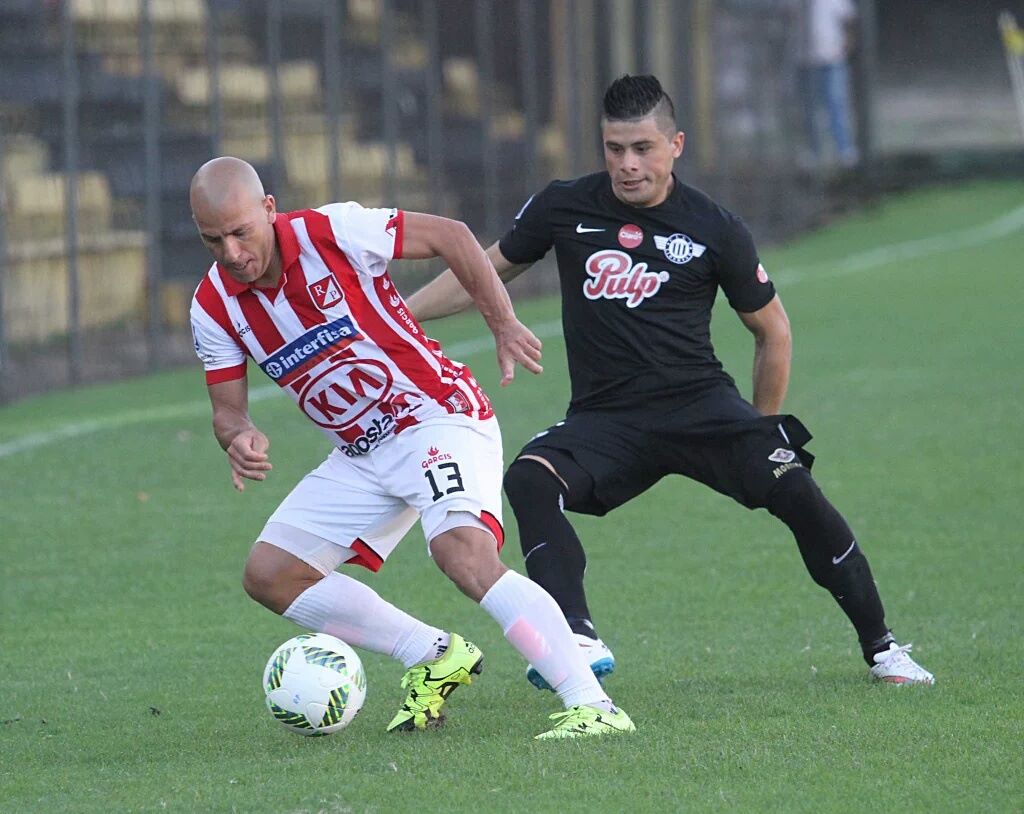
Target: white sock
534	625
356	614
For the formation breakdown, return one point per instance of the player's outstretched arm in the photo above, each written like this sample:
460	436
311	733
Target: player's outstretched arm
444	295
773	351
432	236
245	445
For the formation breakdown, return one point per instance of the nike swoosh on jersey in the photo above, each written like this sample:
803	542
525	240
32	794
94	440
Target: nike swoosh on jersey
581	229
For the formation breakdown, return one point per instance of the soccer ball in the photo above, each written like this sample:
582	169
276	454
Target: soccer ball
315	684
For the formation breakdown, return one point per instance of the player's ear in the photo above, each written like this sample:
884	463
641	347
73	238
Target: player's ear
270	206
677	144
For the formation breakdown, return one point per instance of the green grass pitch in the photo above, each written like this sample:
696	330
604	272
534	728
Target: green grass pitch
131	659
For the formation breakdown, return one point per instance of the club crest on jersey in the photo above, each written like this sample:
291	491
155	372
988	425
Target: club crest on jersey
679	248
782	456
326	293
458	403
614	277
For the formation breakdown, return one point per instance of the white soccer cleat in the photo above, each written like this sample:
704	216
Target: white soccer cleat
601	660
895	666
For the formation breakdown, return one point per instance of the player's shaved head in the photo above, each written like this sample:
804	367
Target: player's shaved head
235	218
223	183
631	98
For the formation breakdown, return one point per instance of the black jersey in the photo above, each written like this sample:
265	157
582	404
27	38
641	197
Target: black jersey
638	285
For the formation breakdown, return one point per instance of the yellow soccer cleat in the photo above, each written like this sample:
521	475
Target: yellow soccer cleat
582	722
431	683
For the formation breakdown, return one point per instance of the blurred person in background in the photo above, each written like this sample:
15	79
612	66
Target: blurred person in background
307	295
827	34
641	257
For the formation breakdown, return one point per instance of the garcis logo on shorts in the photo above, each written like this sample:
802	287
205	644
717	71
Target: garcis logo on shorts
679	248
433	456
313	346
614	277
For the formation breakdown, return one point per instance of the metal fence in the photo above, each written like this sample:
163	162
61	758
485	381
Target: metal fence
458	107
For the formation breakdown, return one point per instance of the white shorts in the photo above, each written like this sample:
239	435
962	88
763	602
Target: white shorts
357	510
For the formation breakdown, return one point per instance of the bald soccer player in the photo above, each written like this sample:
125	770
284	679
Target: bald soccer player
308	297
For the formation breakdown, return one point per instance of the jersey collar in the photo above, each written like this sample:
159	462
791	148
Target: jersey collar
287	245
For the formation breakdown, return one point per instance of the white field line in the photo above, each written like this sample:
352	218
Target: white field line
1003	226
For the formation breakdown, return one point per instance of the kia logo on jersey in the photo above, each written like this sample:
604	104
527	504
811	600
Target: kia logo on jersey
345	392
326	293
613	276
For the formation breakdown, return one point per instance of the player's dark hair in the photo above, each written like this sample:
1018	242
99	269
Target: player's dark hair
630	98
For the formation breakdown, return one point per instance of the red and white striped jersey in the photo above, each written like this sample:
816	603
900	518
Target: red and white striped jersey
335	334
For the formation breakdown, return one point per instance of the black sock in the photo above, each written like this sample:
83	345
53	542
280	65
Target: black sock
831	554
880	645
552	552
582	626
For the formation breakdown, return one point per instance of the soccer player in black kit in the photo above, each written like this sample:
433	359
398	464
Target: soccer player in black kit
641	257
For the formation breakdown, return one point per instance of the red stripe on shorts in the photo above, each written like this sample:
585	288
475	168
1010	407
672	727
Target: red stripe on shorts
365	556
494	525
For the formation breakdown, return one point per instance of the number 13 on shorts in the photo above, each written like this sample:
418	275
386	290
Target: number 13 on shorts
444	479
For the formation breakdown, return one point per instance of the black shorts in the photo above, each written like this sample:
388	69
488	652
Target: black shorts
722	442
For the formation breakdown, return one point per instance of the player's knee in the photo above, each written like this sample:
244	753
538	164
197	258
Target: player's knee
795	492
528	483
469	558
257	583
275	578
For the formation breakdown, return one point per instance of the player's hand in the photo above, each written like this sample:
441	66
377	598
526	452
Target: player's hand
517	344
247	454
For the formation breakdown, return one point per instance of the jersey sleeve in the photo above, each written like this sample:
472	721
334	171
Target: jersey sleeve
369	237
220	354
530	236
740	273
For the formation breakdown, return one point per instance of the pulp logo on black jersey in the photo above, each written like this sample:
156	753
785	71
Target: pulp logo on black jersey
613	276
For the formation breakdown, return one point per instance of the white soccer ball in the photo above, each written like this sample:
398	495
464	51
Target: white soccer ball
315	684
